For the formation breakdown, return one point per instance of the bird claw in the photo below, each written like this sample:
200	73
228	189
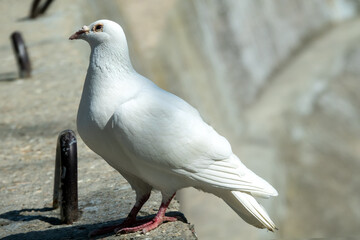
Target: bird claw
146	227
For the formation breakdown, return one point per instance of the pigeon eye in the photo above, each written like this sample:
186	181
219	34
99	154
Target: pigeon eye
98	28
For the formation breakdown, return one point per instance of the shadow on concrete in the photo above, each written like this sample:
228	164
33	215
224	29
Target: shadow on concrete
8	76
66	232
16	215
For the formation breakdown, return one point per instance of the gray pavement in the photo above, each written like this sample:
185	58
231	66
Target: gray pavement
32	113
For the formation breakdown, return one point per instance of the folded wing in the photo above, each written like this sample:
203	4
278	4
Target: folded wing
163	130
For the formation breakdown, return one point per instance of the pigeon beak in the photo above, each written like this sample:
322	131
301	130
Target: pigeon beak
79	34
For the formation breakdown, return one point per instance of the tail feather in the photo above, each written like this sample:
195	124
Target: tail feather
249	209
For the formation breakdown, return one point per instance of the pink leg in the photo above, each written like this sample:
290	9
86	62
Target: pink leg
128	222
154	223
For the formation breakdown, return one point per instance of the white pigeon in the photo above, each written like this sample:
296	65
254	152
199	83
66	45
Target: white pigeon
155	139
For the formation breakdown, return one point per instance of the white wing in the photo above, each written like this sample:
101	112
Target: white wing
162	129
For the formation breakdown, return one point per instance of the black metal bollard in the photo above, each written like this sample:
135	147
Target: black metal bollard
21	55
65	181
37	10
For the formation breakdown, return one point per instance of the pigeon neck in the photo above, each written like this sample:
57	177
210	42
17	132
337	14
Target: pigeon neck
108	83
111	57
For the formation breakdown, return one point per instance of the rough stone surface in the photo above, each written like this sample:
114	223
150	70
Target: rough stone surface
32	113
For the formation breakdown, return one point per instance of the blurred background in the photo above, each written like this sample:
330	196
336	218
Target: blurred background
279	79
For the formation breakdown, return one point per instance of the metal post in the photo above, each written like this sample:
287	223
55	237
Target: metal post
21	55
65	182
45	6
57	186
36	9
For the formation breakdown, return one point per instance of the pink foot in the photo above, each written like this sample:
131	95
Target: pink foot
157	221
146	227
128	226
128	222
115	228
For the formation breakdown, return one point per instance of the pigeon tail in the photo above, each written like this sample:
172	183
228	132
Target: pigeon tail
248	209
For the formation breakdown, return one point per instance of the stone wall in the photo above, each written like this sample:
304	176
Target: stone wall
278	79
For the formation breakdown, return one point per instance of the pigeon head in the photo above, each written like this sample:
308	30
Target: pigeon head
99	32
